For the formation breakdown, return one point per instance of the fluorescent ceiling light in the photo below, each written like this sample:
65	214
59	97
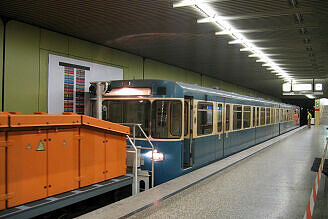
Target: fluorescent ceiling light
309	96
286	87
318	87
190	3
224	32
255	55
235	42
245	49
323	101
302	87
210	15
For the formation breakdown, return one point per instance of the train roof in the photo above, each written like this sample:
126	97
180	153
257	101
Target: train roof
195	89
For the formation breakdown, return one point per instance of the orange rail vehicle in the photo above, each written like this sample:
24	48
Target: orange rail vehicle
43	155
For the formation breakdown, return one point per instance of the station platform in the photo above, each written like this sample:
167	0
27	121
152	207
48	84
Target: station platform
269	180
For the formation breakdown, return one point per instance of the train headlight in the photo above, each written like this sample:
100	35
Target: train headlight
158	156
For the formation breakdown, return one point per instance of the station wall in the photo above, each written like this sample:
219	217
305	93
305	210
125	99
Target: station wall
26	66
1	60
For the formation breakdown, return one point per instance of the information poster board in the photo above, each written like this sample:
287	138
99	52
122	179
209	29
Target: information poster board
69	80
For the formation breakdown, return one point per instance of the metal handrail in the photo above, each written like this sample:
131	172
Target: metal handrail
151	144
152	155
135	165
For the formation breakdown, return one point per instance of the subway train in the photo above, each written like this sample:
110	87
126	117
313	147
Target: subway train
192	126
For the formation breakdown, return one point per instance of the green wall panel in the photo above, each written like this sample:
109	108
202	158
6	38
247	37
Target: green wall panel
84	49
1	60
157	70
54	41
193	78
43	91
131	64
21	67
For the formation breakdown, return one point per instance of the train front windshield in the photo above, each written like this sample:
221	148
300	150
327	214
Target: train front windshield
163	118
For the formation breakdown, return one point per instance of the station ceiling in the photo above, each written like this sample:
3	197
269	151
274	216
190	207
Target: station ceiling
292	32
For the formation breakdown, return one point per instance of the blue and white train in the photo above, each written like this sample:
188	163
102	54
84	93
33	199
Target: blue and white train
192	126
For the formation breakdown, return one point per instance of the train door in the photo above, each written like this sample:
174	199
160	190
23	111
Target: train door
187	143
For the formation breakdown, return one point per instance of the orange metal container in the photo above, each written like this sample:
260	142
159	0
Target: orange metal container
42	162
2	170
102	150
115	155
27	166
109	126
92	156
18	121
51	154
4	120
63	155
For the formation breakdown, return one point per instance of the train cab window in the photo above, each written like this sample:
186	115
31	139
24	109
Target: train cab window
254	116
166	119
186	118
237	117
267	113
220	116
129	111
262	116
227	117
204	118
247	117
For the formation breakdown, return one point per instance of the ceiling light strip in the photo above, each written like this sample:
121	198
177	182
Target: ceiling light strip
227	29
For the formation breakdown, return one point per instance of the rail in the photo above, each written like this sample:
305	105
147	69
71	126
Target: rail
133	143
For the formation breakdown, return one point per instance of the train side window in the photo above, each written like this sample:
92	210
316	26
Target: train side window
285	115
237	117
227	117
204	118
262	119
220	117
272	115
254	116
166	119
267	119
186	118
247	116
281	115
258	116
277	115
